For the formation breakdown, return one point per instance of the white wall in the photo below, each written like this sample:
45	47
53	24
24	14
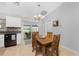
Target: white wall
68	15
49	28
28	22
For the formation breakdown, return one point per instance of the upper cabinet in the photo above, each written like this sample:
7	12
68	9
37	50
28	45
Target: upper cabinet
13	21
2	23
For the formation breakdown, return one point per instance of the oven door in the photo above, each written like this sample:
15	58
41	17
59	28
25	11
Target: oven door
10	40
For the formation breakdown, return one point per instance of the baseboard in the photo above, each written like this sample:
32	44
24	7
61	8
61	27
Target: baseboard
70	49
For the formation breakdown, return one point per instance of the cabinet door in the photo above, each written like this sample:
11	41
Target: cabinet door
1	40
19	39
17	22
13	21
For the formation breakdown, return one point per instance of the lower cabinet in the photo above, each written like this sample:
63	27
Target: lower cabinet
19	38
1	40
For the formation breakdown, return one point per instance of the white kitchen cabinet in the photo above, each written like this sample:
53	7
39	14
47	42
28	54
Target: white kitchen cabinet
19	38
1	40
13	21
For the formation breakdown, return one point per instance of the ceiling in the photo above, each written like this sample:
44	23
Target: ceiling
26	9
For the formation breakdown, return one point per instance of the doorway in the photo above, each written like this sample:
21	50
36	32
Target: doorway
27	33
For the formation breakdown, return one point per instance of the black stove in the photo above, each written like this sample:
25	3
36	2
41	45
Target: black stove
10	39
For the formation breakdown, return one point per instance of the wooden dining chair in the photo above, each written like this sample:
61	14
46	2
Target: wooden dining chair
34	40
53	50
38	46
49	34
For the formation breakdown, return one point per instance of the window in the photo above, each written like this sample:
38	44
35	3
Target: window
34	28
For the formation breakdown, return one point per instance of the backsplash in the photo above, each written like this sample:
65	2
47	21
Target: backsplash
13	29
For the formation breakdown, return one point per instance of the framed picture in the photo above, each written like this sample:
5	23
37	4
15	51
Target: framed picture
55	23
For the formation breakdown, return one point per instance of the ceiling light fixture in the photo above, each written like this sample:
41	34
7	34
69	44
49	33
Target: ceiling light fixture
38	17
41	15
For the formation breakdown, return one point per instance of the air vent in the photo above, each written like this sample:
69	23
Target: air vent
16	3
43	12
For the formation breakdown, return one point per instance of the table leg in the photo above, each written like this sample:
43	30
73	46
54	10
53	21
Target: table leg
36	48
43	50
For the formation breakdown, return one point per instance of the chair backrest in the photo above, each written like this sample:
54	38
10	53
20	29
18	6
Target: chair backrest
34	34
49	34
56	40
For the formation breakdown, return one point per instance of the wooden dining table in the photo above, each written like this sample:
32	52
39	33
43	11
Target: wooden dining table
44	42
